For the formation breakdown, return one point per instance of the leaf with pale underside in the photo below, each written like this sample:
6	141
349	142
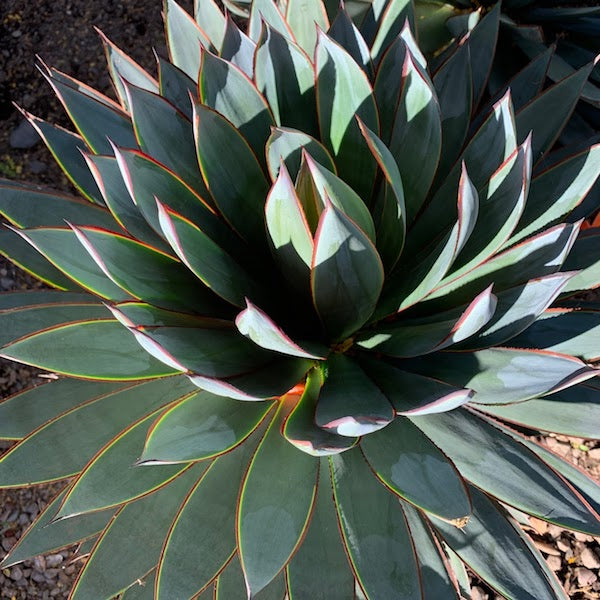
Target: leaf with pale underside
416	122
229	91
328	187
517	308
346	274
176	86
206	259
350	404
343	91
264	382
284	74
347	35
584	256
123	67
414	338
66	148
257	326
96	122
573	332
303	17
166	134
288	145
301	430
504	375
489	147
145	272
556	191
185	39
421	274
499	210
211	20
221	151
62	249
290	237
266	12
238	48
396	14
540	255
413	394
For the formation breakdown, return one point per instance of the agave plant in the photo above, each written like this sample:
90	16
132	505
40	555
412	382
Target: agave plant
308	307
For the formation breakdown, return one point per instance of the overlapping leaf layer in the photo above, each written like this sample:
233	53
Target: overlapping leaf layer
312	286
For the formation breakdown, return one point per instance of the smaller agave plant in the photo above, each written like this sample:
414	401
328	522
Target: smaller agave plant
316	292
558	37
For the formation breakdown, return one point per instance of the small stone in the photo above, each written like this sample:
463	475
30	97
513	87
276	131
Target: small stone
53	560
37	576
554	563
37	166
8	542
24	136
16	574
40	563
14	515
590	559
585	577
32	508
51	573
6	283
563	546
55	592
17	33
23	519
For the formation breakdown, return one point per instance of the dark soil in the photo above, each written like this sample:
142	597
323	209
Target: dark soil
62	34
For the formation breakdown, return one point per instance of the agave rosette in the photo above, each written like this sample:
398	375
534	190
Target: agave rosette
309	291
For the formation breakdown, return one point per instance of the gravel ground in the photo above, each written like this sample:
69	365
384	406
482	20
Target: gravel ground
61	33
